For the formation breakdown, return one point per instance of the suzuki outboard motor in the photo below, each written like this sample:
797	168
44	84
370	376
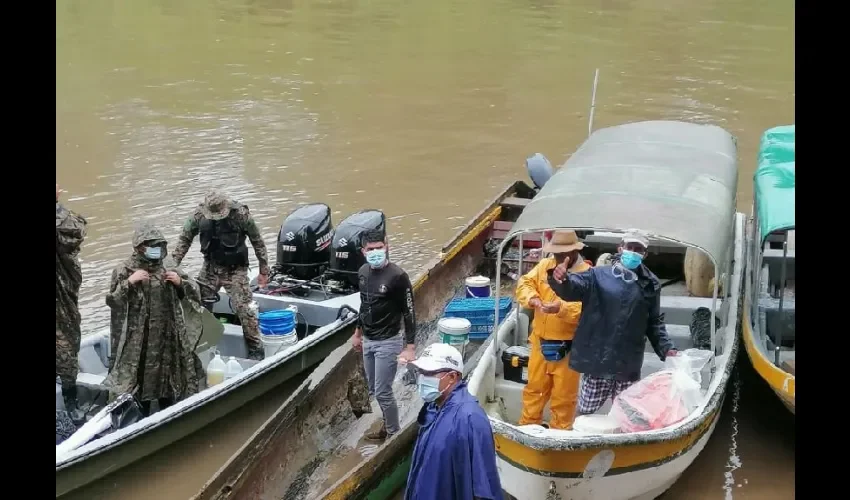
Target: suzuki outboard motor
346	256
539	169
304	242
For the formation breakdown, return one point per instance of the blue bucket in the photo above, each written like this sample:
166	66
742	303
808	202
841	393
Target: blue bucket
477	287
280	322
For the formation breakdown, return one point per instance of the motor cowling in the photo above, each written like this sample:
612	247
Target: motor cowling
304	242
346	254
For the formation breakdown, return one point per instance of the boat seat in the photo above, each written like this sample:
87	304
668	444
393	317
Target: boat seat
770	307
94	380
678	310
512	202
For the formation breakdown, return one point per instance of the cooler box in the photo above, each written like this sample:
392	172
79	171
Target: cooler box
515	363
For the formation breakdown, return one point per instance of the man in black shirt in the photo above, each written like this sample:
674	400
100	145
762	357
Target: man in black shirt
386	301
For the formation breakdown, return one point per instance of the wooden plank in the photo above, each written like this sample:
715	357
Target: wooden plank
514	202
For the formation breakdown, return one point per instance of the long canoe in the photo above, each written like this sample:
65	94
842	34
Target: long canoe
315	439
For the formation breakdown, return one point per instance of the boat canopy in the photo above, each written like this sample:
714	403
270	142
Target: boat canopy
774	181
674	180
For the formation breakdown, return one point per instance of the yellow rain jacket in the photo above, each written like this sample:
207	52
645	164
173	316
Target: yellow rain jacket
549	379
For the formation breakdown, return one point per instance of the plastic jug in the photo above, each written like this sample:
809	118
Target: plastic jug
215	371
60	401
232	369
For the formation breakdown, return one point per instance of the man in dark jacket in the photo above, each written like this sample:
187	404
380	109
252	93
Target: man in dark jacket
455	455
386	302
621	304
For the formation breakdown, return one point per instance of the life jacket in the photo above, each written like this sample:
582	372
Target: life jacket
223	241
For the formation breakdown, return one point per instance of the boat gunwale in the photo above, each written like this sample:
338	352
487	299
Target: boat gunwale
188	405
655	436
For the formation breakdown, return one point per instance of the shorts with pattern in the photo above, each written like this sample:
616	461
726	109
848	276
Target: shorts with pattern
593	391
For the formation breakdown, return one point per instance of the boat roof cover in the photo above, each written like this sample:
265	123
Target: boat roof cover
672	179
774	180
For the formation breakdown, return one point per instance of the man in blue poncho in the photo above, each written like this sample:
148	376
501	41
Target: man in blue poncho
455	456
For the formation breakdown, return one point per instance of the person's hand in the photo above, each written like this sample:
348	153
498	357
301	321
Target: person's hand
672	353
551	307
138	276
407	355
535	303
173	278
357	341
560	271
263	280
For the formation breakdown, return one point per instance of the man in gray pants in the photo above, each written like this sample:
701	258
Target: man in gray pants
386	301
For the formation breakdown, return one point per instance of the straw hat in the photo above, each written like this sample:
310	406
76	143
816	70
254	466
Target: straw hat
563	242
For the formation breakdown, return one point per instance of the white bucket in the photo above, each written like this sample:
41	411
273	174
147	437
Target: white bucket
596	424
477	287
277	343
455	332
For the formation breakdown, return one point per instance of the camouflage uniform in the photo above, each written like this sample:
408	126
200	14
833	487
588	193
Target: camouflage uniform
154	356
70	233
233	276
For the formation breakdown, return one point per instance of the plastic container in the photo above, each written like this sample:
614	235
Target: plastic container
278	322
215	371
60	401
515	364
272	344
455	332
596	424
481	314
232	368
477	287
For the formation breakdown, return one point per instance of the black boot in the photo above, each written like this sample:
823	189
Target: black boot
69	394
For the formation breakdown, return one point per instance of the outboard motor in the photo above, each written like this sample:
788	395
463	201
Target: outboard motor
346	254
539	169
304	241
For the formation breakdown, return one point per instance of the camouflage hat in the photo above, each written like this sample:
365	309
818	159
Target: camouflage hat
146	232
216	205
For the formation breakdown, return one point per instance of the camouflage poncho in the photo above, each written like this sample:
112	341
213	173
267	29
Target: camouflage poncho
70	232
152	351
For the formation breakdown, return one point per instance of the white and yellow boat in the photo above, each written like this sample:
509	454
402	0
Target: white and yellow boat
769	328
678	182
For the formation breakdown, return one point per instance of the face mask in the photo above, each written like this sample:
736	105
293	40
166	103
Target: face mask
630	260
153	253
376	257
429	388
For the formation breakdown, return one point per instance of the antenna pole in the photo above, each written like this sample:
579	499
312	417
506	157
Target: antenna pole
593	103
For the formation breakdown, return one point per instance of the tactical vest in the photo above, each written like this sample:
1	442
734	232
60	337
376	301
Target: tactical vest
223	242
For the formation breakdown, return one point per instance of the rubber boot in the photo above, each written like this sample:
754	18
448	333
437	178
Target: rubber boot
258	354
69	394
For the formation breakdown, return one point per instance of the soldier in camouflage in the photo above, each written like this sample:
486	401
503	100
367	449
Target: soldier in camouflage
154	356
70	233
223	225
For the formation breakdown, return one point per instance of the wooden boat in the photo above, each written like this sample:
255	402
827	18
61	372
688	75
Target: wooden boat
315	437
686	177
769	329
326	299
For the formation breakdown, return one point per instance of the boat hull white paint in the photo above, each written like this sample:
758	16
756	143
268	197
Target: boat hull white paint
644	484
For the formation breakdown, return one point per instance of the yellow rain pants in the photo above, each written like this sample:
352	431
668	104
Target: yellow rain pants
549	381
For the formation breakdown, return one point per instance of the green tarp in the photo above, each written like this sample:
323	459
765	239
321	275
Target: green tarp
774	180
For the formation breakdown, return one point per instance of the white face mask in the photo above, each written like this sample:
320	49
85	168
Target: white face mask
153	253
377	257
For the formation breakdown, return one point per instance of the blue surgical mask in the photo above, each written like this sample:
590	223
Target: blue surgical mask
153	253
630	260
376	257
429	388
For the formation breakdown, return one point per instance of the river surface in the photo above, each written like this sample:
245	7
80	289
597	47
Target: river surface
424	110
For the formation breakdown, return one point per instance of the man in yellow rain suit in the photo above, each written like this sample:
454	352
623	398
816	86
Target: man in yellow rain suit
555	322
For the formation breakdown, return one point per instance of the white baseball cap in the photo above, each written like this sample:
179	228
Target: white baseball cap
636	236
439	357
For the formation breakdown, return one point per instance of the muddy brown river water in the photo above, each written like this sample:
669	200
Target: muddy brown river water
422	109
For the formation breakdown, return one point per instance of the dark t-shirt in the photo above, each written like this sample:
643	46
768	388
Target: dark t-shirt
386	299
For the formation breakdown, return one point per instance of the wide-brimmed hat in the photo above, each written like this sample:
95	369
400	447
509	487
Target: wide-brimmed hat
563	242
216	205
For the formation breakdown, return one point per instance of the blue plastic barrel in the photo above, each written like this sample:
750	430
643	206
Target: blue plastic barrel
280	322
